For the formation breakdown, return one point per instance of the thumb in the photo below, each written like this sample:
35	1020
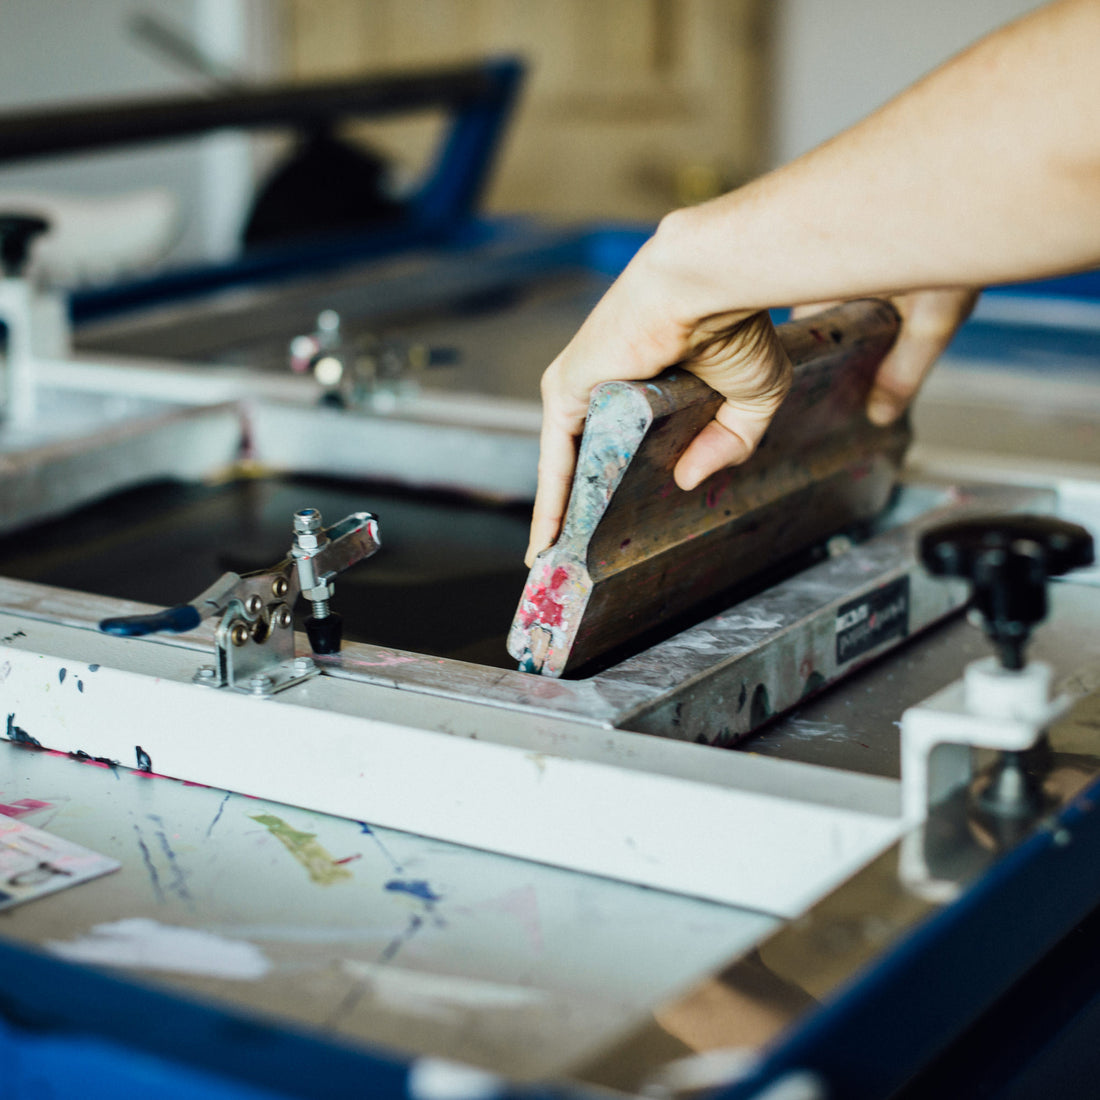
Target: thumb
929	321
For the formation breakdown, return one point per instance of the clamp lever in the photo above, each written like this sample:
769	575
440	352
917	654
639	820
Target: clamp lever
1001	703
255	637
1007	560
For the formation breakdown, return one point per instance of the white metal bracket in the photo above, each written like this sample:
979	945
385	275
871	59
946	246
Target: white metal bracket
992	708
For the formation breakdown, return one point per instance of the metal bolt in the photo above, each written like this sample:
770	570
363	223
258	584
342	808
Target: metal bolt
239	633
204	673
261	684
302	665
253	605
307	521
281	617
279	587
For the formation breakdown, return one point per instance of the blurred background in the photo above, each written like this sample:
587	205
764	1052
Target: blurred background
630	107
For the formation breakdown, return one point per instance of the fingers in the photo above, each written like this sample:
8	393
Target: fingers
929	321
746	363
557	460
728	440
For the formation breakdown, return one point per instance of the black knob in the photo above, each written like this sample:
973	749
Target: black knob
1007	560
17	232
325	635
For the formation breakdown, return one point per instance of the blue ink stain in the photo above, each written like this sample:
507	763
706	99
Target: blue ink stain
217	816
20	735
365	828
80	686
399	941
61	674
150	867
93	668
418	888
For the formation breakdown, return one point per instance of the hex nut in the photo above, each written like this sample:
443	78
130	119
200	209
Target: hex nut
307	521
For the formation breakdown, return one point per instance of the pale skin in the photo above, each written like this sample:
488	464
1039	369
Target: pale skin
987	171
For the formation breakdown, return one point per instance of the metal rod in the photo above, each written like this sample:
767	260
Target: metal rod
109	123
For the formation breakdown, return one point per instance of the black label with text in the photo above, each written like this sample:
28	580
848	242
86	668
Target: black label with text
863	624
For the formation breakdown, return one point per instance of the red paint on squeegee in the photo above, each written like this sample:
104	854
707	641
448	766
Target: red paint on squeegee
540	604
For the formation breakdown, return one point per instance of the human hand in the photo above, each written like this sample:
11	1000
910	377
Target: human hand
929	320
635	332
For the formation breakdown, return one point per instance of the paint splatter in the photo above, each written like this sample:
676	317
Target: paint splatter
61	674
87	758
144	760
140	942
178	885
150	866
19	735
387	660
23	806
320	866
416	922
418	888
218	815
368	831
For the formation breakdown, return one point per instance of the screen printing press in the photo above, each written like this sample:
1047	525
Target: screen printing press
813	835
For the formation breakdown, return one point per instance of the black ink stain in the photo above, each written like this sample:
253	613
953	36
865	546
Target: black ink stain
20	736
144	760
80	754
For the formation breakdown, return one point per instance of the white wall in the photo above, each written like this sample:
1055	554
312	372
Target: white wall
836	60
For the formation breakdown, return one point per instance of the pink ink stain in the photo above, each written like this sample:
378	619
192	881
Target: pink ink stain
541	603
388	660
23	806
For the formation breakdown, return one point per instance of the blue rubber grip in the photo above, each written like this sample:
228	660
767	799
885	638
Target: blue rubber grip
172	620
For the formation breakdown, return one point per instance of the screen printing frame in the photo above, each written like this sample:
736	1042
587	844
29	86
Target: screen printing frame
889	945
537	749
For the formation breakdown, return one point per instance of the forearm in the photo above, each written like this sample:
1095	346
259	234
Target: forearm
986	171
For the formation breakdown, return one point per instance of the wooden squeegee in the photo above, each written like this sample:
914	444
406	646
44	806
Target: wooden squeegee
636	551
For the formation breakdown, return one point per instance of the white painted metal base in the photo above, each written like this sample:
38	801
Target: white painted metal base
759	833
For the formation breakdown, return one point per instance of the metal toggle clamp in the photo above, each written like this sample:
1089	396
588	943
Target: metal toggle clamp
255	637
